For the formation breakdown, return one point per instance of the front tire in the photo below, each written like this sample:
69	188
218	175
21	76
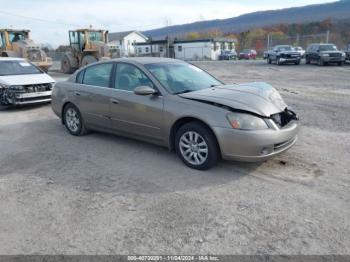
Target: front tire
73	120
197	146
66	66
321	62
278	61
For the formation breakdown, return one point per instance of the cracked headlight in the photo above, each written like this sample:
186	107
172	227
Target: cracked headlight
246	121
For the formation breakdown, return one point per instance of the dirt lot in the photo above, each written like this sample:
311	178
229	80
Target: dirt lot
102	194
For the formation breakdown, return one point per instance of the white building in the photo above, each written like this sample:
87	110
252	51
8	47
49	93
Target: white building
157	48
202	49
125	41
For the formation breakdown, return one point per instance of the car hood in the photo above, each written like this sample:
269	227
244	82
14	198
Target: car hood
26	79
258	98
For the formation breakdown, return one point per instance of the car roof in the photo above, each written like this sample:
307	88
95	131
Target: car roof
322	44
148	60
11	59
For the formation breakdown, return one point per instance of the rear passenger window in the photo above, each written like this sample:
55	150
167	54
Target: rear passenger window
98	75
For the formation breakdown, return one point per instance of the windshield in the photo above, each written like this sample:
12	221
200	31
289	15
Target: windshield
284	48
328	48
16	36
8	68
96	36
181	78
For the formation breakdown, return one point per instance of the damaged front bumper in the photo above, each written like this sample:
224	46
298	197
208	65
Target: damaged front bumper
259	145
26	95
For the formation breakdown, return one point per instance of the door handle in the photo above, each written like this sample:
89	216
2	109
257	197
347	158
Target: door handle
77	93
114	101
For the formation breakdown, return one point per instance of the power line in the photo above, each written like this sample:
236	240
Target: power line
39	19
60	23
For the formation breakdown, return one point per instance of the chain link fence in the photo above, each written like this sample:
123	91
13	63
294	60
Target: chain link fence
297	40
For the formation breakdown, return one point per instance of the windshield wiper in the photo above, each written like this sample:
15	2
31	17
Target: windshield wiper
183	92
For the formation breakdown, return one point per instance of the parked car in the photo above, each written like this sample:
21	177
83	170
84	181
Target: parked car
247	54
283	54
265	54
347	54
323	54
300	50
177	105
228	55
23	83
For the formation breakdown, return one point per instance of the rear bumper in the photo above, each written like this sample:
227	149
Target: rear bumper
255	146
30	98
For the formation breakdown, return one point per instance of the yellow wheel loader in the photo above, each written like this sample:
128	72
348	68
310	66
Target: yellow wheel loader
87	46
17	43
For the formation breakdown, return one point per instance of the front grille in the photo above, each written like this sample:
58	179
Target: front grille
296	55
284	118
335	55
37	88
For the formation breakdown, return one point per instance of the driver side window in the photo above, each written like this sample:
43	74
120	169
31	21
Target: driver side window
128	77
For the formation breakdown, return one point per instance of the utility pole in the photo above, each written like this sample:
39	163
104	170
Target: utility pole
298	40
167	24
328	33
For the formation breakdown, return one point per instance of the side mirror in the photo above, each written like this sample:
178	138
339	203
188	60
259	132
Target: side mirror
144	91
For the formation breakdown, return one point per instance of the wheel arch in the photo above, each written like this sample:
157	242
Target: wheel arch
185	120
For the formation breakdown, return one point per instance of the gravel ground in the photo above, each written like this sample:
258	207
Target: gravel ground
102	194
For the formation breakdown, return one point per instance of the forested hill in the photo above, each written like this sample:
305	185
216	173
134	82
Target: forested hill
305	14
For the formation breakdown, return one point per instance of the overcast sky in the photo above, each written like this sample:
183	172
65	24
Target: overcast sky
50	20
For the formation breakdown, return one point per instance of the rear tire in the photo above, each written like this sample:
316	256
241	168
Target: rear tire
89	59
197	147
73	120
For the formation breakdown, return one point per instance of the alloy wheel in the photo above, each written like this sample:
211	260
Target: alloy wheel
193	148
72	120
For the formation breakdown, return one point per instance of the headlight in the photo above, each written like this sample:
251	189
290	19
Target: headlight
246	121
343	54
17	88
324	54
3	86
